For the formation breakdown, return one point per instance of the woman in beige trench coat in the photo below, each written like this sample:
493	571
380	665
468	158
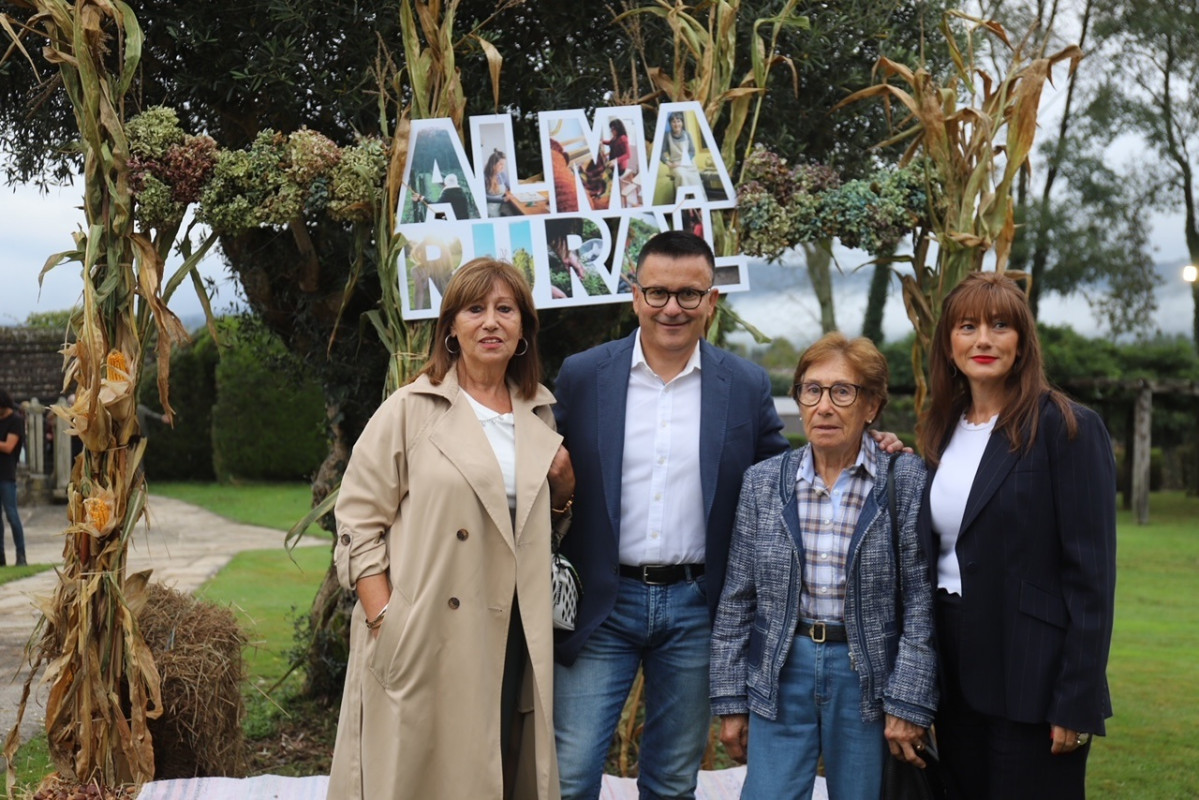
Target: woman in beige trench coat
450	554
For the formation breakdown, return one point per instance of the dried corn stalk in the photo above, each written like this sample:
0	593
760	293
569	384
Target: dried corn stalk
103	682
974	135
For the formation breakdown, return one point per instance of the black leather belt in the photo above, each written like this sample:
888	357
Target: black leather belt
662	574
821	632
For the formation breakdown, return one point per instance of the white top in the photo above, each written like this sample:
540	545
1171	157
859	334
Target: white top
501	432
661	501
949	492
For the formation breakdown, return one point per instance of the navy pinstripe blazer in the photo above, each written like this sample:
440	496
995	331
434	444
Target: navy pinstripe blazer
1037	550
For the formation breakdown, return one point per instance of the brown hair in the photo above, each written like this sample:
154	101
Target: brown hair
988	296
490	173
471	283
863	357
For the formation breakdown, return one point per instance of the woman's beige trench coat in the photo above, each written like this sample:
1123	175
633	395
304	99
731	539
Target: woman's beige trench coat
423	499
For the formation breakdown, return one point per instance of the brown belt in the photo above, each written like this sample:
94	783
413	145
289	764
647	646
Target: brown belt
821	632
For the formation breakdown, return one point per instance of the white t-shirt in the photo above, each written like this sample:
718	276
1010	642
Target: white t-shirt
949	492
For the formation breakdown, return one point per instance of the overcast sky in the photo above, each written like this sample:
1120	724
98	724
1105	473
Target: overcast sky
35	226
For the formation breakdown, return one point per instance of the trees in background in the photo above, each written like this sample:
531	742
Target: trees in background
1081	224
1153	91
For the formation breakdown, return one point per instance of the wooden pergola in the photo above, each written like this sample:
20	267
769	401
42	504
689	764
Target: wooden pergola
1138	439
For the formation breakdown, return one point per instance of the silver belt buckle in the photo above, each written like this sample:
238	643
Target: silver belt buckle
645	568
823	628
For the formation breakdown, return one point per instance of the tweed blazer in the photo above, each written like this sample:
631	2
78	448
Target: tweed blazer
755	622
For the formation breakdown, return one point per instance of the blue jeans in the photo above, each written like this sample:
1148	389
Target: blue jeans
666	631
8	500
818	714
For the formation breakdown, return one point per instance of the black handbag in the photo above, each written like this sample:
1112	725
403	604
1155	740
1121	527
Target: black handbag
902	780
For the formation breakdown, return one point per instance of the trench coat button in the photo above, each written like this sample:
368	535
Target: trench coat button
462	534
345	539
454	602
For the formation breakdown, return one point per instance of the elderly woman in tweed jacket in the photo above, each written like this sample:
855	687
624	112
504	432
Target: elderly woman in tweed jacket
810	654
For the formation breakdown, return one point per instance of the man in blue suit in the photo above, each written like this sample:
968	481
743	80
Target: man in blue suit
661	426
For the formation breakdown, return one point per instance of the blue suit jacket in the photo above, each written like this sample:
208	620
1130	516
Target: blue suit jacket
1037	550
738	428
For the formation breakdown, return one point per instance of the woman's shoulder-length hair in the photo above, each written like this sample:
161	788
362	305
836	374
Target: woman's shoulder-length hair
990	296
472	283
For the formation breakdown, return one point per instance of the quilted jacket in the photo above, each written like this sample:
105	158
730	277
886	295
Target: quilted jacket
756	619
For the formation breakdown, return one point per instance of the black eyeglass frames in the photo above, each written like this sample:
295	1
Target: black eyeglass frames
688	299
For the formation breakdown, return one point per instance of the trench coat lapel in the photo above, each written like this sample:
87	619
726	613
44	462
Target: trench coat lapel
612	394
997	461
460	438
536	445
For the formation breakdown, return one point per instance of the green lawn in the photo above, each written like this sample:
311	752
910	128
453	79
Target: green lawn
1150	751
272	505
24	571
268	592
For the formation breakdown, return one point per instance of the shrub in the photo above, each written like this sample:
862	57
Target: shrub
269	418
182	451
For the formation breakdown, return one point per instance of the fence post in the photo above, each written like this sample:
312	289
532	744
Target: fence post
35	436
62	454
1142	436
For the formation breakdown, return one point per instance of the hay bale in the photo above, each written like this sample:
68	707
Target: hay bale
197	648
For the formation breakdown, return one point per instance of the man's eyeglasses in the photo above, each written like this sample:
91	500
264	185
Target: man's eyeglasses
688	299
842	394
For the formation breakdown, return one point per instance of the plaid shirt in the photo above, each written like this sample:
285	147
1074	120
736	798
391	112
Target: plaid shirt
827	519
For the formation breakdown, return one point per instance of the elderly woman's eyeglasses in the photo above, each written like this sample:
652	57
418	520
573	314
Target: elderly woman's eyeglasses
688	299
842	394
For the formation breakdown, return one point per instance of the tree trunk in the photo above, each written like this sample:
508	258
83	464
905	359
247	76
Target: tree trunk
880	283
819	257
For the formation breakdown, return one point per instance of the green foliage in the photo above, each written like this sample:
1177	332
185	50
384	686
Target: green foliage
780	206
269	418
183	451
357	181
49	320
153	132
780	355
1069	356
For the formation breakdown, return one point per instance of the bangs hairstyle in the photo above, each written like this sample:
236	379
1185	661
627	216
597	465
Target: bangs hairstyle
471	283
864	358
987	297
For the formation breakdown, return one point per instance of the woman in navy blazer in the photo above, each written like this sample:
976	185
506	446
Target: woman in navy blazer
1019	524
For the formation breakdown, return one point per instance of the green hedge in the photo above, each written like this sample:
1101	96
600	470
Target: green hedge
184	451
269	419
